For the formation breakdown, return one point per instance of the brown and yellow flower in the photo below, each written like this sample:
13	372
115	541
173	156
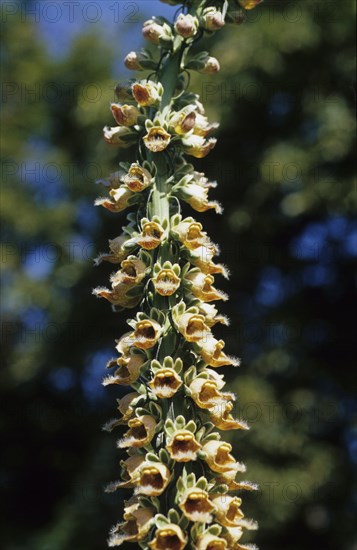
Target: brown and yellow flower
192	327
218	456
140	433
211	351
197	146
189	232
182	446
138	521
249	4
201	287
205	393
196	505
165	383
151	236
128	371
166	282
228	511
157	139
124	405
146	333
222	418
146	93
119	200
137	179
153	479
169	537
125	115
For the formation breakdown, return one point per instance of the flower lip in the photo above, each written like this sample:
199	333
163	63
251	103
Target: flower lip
157	139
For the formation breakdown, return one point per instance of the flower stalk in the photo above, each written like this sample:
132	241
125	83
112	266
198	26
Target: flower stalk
181	470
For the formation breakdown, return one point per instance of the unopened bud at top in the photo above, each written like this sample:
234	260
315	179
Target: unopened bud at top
186	25
211	66
152	31
132	62
212	19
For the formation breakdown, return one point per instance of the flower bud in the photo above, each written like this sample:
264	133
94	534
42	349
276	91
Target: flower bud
212	19
132	62
186	25
211	66
125	115
152	31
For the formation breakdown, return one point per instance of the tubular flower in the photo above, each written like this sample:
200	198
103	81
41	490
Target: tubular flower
166	280
153	479
137	179
165	383
221	417
206	394
125	115
228	510
218	456
147	332
183	446
174	416
196	505
147	93
140	433
170	537
201	287
152	235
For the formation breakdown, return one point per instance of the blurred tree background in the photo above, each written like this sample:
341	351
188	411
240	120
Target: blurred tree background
284	162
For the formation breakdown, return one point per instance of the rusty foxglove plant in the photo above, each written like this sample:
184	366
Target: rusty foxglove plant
182	472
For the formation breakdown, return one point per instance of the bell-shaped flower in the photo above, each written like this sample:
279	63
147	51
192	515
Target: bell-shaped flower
228	510
183	121
157	139
128	371
197	197
202	258
138	521
169	537
138	178
140	433
165	383
201	287
196	505
210	542
147	93
166	278
152	235
125	115
132	272
218	456
118	251
119	295
183	446
212	317
197	146
205	393
153	479
146	333
189	233
222	418
211	351
121	198
203	127
192	327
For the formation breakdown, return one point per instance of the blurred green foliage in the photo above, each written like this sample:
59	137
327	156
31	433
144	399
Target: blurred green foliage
285	166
